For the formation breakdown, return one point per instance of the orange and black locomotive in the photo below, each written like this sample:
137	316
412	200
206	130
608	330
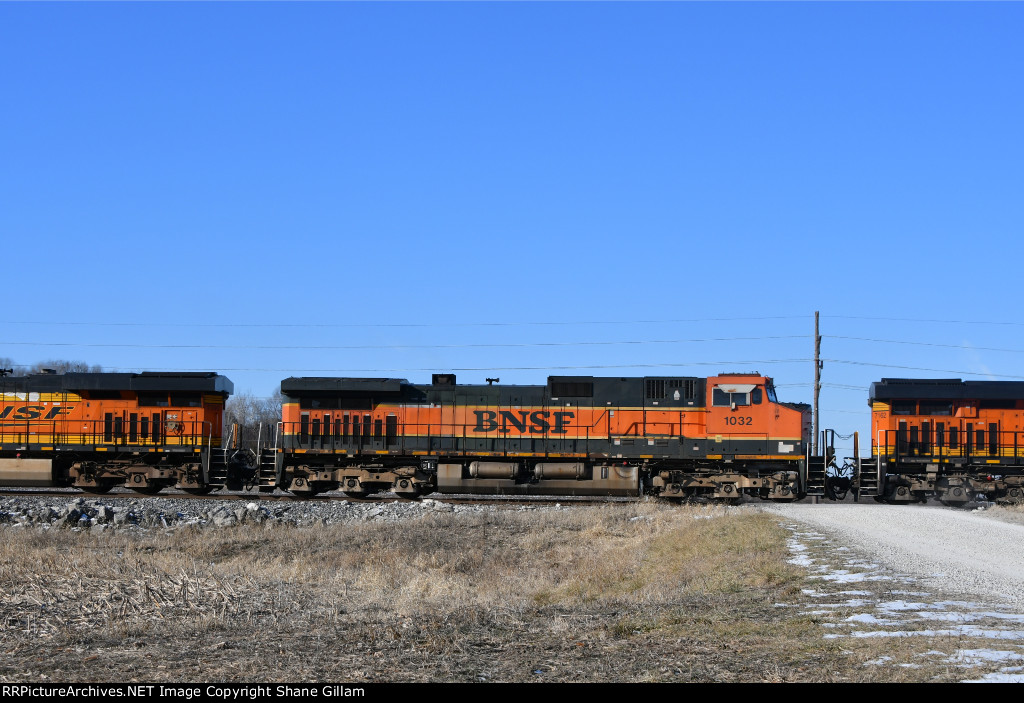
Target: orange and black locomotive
946	438
95	431
722	437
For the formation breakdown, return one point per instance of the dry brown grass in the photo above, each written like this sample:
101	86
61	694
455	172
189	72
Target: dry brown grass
621	592
1007	513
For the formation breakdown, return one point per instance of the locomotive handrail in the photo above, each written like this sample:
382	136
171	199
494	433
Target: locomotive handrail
226	443
209	450
999	446
878	451
322	435
102	433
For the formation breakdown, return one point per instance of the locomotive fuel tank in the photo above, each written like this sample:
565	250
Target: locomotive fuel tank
26	472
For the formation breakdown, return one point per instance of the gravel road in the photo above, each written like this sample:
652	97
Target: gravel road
952	550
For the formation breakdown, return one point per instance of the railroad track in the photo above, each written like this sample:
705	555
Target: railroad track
124	494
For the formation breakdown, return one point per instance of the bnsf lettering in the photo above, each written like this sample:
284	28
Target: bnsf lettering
32	412
533	422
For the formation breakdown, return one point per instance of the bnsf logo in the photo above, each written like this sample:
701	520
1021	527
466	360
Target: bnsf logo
32	412
533	422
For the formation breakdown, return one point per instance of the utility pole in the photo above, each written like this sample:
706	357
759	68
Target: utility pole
817	379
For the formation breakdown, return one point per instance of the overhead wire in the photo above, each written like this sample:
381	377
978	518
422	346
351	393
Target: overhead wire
522	345
919	368
474	368
336	347
916	319
966	347
528	323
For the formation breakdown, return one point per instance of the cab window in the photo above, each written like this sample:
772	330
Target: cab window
721	399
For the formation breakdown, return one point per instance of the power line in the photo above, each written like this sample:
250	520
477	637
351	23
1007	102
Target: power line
397	324
473	368
919	368
966	347
333	347
915	319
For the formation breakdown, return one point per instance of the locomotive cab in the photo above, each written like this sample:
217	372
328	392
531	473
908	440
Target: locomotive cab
745	418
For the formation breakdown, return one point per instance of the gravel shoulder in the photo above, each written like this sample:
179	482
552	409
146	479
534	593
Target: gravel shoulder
951	550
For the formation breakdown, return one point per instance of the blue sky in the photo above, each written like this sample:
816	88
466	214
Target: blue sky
516	189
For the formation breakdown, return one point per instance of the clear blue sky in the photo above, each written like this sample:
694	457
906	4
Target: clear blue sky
516	189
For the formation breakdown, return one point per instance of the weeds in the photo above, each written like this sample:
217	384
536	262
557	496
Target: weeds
621	592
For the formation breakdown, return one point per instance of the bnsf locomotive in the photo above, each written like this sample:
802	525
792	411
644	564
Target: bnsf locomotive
946	438
95	431
677	437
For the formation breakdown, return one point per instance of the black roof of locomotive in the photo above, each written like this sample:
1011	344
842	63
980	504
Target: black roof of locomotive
944	389
329	384
597	390
196	381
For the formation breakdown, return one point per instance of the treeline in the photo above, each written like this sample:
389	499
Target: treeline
57	365
256	418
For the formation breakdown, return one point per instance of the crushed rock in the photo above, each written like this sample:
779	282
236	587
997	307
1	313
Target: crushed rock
128	511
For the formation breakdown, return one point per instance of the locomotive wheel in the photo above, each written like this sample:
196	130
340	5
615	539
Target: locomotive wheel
100	489
148	489
300	487
954	503
356	494
960	497
1013	496
304	495
200	491
405	489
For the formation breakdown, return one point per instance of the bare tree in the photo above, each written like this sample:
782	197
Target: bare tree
57	365
256	417
65	366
